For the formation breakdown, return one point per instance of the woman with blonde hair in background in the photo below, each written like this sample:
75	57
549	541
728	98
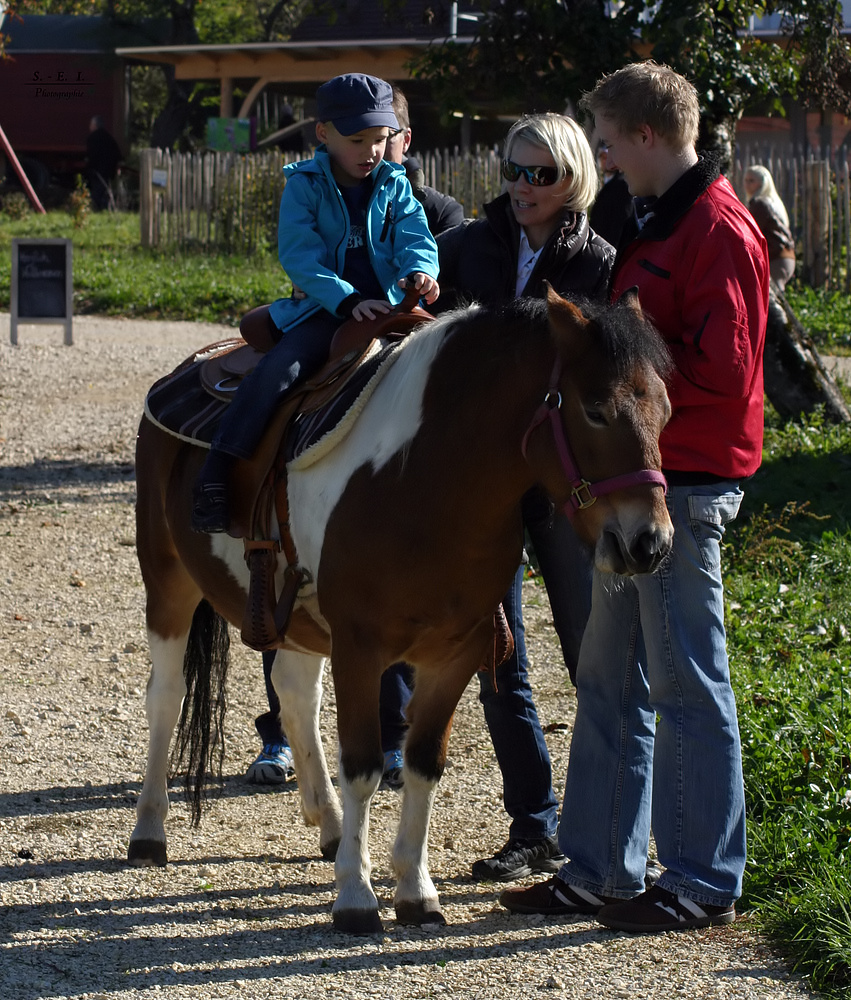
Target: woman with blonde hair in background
767	208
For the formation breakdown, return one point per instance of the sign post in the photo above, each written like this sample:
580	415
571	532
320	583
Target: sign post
42	285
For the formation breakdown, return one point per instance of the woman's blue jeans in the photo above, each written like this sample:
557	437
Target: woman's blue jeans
510	713
656	741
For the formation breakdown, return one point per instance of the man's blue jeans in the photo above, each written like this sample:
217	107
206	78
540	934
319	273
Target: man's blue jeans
656	741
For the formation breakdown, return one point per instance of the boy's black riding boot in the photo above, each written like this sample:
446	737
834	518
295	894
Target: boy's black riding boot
210	495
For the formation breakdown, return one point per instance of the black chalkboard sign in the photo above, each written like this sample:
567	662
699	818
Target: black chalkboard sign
42	287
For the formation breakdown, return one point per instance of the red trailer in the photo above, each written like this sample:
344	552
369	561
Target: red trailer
60	71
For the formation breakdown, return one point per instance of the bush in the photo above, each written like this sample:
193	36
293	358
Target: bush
80	203
16	205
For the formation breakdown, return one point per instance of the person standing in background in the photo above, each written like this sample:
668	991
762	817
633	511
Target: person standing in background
103	155
442	210
274	763
767	208
613	205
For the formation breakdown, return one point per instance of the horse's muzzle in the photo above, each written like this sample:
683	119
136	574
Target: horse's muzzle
643	552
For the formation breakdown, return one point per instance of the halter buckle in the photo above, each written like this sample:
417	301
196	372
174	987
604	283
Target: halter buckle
582	496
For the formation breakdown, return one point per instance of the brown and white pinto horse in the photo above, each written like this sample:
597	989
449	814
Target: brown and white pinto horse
411	531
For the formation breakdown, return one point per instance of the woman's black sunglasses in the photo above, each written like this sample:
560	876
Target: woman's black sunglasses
536	176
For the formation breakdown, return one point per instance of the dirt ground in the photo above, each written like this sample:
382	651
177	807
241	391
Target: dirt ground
243	908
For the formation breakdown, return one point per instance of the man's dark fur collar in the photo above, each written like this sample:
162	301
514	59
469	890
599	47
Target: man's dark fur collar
670	207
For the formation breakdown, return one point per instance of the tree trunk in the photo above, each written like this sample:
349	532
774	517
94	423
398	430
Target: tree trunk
718	139
796	379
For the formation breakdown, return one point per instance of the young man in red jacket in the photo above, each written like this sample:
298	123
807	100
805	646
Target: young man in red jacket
656	741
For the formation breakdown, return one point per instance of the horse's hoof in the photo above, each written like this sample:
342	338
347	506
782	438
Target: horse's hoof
358	922
416	913
329	850
147	854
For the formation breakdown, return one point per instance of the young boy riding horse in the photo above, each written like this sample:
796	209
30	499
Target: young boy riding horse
351	235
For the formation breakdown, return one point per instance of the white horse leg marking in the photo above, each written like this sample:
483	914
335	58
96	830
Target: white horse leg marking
298	682
416	895
166	690
353	866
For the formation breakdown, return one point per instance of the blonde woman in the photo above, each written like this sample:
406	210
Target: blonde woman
535	232
767	208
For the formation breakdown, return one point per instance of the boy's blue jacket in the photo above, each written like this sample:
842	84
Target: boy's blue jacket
313	233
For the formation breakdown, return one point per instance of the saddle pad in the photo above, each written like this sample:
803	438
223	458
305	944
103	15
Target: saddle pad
314	433
179	404
182	405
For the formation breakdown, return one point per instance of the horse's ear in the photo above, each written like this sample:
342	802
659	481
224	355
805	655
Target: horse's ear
559	307
630	300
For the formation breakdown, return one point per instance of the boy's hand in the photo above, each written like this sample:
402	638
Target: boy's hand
369	308
424	284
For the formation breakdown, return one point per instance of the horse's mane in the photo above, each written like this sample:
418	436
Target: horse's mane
625	338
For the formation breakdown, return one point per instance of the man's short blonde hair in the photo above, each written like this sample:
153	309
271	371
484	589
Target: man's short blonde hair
568	146
647	93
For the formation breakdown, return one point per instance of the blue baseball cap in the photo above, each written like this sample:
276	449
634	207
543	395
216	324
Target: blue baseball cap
355	101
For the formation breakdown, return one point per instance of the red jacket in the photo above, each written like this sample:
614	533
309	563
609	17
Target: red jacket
701	267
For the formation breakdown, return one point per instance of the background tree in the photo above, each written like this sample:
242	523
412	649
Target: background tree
539	54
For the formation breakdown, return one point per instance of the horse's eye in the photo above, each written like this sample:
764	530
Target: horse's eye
596	417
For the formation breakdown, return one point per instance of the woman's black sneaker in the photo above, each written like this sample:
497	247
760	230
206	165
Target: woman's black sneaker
518	859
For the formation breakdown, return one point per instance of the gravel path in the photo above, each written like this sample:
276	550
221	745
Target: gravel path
243	908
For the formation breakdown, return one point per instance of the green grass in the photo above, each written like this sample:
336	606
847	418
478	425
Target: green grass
788	580
114	276
789	593
826	316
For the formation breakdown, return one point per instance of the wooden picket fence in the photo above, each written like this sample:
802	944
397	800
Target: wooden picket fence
228	202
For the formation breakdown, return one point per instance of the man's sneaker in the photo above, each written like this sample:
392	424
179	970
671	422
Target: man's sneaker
274	766
518	859
392	777
658	910
554	898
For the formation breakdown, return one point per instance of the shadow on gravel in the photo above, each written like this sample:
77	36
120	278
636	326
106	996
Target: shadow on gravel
139	942
88	797
62	473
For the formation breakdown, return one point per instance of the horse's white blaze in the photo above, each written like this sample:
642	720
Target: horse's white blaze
166	690
298	682
389	422
410	852
352	868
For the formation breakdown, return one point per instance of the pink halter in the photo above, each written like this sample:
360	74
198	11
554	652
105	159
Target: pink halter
582	494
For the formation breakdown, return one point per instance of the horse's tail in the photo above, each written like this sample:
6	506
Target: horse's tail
200	747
